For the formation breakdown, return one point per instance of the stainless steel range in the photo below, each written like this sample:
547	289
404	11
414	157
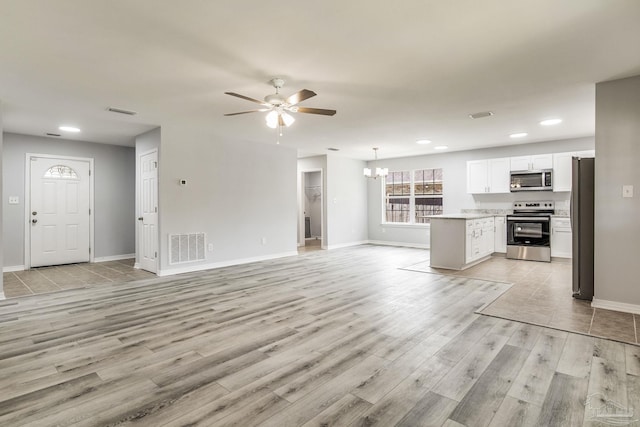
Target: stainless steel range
528	228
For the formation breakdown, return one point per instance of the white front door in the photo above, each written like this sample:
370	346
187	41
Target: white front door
148	218
59	211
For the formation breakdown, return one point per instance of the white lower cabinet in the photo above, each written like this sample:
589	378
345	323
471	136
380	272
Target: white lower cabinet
500	236
479	238
458	242
561	237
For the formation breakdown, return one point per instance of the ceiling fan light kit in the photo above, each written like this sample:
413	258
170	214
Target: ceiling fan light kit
279	107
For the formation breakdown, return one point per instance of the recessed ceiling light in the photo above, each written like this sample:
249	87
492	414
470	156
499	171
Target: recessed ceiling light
69	129
518	135
440	147
423	141
550	122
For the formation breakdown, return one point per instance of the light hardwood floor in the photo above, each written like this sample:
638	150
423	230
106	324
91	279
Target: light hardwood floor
341	337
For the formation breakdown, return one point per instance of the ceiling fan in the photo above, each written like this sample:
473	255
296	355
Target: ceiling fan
279	107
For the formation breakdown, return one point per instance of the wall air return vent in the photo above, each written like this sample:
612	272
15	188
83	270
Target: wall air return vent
481	114
122	111
186	247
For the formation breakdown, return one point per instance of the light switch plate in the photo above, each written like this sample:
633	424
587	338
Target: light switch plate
627	191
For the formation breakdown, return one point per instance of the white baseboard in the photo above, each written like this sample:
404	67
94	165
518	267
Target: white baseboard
113	257
402	244
345	245
136	265
616	306
2	296
201	267
10	268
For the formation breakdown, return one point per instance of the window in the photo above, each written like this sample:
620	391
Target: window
61	172
411	195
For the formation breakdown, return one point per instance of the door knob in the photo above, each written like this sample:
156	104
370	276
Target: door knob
140	218
34	213
33	221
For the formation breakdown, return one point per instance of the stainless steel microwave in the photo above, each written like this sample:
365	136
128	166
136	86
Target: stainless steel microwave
539	180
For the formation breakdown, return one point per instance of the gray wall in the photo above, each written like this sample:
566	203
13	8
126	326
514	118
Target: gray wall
617	223
346	202
2	242
238	193
454	166
114	178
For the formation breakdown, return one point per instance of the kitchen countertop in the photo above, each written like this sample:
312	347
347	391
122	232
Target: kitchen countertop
462	216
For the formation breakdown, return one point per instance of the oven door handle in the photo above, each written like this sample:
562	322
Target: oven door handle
528	218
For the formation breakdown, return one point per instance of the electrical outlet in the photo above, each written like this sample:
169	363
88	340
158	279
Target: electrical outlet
627	191
210	247
264	241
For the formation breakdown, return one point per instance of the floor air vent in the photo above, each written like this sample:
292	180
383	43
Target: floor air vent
186	247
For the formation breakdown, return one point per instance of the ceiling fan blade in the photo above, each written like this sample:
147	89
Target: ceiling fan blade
237	95
316	111
300	96
245	112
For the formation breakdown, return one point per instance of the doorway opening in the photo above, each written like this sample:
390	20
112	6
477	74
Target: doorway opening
312	210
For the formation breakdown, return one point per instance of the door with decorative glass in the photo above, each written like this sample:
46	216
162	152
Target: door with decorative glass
59	211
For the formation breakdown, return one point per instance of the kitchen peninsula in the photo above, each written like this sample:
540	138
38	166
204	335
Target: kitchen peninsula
459	241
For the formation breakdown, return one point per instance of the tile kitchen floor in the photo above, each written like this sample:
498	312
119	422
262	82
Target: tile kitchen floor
541	295
56	278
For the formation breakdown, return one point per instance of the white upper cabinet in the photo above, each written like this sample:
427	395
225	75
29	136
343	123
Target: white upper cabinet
562	171
477	176
499	177
562	168
488	176
535	162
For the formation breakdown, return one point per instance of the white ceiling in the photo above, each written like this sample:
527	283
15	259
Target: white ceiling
395	71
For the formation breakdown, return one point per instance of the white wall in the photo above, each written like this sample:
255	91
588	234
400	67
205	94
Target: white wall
238	193
454	170
114	179
346	191
617	219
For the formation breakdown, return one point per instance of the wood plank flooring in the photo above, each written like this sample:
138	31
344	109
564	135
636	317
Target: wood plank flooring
342	337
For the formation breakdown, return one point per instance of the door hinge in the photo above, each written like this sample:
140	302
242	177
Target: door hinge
89	250
89	172
155	165
89	211
156	209
155	255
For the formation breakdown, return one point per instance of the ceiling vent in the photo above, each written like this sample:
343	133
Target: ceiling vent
122	111
481	114
52	134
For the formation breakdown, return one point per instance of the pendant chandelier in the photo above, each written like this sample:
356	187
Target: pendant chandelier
379	172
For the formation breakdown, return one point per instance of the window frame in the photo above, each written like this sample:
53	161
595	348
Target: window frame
412	199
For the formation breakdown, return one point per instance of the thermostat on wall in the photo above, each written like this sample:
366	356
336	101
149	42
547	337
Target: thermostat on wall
182	181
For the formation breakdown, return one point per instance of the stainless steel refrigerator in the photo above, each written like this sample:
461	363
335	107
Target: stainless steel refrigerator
582	226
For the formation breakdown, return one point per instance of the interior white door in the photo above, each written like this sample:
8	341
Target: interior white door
148	218
59	211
